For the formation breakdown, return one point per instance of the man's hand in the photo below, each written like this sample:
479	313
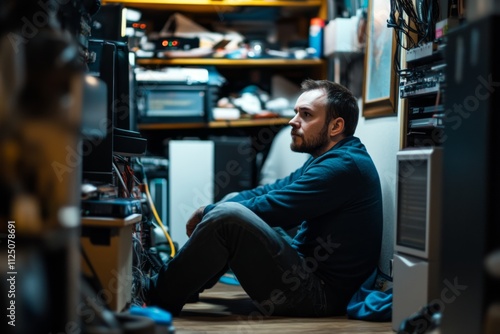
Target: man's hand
194	220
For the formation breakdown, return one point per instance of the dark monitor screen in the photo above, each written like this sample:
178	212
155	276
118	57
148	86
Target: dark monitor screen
112	67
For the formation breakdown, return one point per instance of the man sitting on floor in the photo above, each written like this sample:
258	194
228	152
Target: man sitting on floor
336	199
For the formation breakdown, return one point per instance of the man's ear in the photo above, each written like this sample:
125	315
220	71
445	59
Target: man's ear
337	126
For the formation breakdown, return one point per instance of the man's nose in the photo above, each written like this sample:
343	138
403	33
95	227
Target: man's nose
294	122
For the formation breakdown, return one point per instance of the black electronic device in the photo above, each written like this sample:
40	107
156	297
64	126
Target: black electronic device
424	80
166	103
230	154
98	163
419	110
111	65
471	182
128	143
175	43
175	95
114	207
426	117
423	85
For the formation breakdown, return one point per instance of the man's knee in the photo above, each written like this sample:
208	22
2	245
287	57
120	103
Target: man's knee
229	196
228	210
229	214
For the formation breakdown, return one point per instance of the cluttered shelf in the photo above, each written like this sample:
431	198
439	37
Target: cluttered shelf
228	34
201	5
217	124
231	62
248	60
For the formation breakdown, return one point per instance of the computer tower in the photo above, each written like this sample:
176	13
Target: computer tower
417	231
471	181
234	165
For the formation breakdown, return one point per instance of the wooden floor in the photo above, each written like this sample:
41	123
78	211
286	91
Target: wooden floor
227	309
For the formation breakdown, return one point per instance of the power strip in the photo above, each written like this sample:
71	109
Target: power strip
420	52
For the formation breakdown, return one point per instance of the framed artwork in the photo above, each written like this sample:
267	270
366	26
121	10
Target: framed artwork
380	80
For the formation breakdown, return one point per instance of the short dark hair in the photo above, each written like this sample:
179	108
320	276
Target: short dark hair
339	102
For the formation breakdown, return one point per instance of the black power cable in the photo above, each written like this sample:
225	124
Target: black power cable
413	25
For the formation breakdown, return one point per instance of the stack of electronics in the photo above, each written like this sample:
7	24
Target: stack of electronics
175	95
422	86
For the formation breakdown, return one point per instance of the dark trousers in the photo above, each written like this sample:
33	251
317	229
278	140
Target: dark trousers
268	268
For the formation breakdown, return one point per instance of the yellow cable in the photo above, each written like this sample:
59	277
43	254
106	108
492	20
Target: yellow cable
153	208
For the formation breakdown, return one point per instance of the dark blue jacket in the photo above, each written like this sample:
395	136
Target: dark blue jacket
337	201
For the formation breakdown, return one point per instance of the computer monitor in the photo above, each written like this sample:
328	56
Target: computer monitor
112	66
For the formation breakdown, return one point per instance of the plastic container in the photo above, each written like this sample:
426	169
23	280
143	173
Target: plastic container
316	37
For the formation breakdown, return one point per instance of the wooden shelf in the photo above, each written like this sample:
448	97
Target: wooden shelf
216	124
107	222
248	122
214	5
297	12
231	62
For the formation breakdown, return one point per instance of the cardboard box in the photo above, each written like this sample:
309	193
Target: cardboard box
107	242
340	36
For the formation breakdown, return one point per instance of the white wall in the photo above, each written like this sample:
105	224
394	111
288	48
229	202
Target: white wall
381	137
190	184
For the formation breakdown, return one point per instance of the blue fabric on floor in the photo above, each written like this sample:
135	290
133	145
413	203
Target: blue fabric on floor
229	280
370	303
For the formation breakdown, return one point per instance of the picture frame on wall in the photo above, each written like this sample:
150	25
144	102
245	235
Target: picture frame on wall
380	84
